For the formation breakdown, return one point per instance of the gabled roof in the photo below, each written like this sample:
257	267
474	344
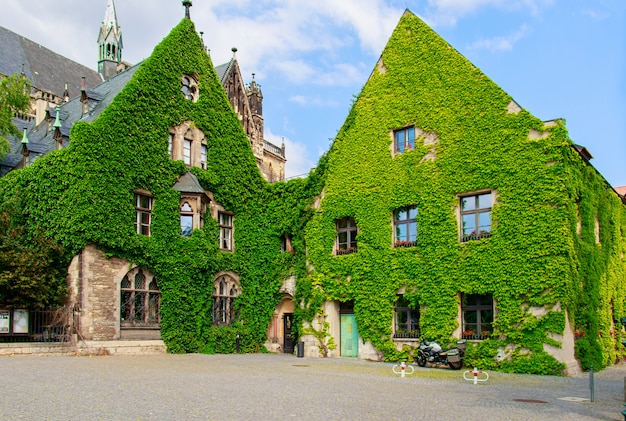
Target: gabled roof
45	69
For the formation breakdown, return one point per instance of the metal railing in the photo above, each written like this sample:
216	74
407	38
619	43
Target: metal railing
53	324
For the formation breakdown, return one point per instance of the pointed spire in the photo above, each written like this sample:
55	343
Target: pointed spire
25	138
25	151
109	43
187	4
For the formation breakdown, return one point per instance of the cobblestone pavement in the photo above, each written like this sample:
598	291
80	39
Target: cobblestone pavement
283	387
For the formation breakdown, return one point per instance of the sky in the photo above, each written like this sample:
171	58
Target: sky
556	58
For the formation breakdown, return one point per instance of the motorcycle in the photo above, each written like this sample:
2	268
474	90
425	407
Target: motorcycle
431	352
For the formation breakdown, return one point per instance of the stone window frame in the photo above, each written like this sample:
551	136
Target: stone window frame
140	300
409	239
189	87
186	211
347	233
195	155
478	230
226	289
144	203
404	139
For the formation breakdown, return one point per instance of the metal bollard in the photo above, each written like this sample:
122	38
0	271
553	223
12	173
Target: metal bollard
591	385
237	344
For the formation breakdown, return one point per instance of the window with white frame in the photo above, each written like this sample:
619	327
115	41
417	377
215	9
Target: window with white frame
405	227
225	222
346	236
203	156
187	151
143	213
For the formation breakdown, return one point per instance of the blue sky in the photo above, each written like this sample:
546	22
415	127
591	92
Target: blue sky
556	58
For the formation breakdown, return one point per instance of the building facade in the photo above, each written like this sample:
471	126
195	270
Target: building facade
442	210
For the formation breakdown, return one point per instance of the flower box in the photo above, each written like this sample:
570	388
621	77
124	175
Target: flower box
404	244
349	250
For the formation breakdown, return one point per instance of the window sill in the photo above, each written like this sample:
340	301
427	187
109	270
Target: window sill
341	252
405	244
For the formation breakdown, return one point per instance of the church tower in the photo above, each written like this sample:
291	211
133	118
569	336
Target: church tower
109	43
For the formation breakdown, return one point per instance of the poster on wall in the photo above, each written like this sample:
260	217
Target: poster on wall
4	321
20	320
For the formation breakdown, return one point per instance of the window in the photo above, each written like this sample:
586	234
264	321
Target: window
407	319
476	216
187	151
346	235
203	154
170	142
405	227
143	210
140	300
225	222
189	87
477	313
404	139
225	291
285	244
186	220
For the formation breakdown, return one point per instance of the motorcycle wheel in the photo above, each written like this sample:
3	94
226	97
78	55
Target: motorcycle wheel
456	365
421	361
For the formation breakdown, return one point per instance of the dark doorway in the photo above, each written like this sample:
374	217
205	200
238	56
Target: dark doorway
288	345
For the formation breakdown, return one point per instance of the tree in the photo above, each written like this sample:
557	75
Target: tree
14	97
32	266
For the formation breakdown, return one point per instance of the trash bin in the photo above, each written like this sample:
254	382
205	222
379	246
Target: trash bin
300	350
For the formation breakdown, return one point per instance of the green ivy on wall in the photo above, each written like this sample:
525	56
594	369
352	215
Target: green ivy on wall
535	258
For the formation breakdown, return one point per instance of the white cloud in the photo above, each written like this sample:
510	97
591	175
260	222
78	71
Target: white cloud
498	44
296	153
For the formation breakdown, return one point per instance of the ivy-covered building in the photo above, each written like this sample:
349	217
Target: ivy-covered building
449	211
443	209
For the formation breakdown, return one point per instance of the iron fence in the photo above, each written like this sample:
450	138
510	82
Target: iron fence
52	324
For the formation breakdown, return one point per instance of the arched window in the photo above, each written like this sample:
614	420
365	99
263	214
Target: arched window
225	291
186	219
140	299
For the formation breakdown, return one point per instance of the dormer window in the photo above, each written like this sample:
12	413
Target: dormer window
189	87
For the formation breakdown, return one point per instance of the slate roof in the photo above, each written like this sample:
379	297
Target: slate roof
45	69
222	70
41	138
188	183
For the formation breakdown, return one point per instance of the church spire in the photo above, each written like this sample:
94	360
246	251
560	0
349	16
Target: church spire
109	43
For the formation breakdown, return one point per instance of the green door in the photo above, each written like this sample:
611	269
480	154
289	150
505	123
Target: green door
349	336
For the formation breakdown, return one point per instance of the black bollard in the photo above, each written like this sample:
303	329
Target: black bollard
237	344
